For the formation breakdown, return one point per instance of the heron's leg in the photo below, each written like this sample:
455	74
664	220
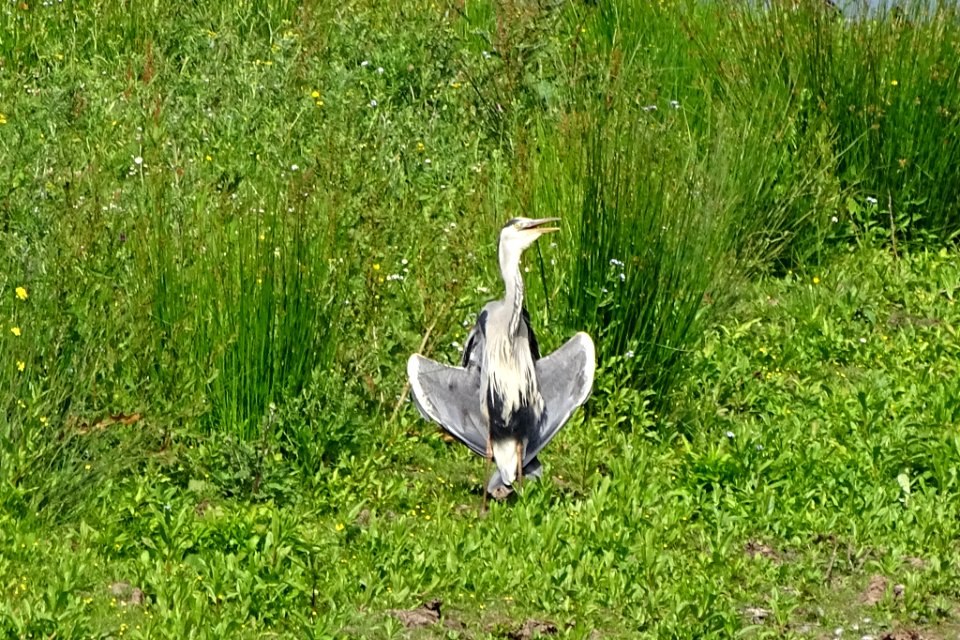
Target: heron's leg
486	471
519	463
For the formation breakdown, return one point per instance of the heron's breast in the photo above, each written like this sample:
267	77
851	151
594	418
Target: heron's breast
512	382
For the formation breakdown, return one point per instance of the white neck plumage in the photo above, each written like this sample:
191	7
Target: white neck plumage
513	283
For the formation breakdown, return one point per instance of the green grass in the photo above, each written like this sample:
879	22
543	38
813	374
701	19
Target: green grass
834	456
224	227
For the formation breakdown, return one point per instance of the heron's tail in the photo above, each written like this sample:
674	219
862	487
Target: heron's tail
497	487
505	455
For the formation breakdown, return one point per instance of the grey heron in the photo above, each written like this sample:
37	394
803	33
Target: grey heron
505	402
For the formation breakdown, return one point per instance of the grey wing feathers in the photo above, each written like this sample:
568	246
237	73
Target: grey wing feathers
449	396
566	380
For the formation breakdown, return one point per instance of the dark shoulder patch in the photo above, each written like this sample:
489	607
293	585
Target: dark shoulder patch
534	346
480	329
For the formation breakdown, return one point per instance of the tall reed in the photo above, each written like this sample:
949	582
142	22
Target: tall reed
249	294
671	201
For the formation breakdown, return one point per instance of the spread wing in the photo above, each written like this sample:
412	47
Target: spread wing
450	396
566	380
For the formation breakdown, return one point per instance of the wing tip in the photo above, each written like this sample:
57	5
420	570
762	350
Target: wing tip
590	366
413	365
413	376
413	371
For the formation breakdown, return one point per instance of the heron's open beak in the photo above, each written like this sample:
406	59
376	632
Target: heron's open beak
537	225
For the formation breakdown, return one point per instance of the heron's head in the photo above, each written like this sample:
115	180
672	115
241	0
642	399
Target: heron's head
520	233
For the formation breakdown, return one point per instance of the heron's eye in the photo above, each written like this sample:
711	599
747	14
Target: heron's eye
517	226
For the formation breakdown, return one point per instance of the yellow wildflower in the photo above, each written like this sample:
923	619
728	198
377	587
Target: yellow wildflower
339	526
21	365
22	293
816	280
376	266
3	119
894	83
15	331
315	94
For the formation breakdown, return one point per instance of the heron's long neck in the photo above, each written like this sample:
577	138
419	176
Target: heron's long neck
513	282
